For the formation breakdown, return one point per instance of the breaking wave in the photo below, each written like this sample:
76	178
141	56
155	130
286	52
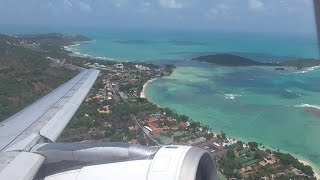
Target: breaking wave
308	69
308	106
232	96
75	52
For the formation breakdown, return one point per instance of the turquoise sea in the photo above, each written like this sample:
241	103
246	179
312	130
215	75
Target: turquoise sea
248	103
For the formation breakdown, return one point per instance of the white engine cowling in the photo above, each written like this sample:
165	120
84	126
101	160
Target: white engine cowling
168	163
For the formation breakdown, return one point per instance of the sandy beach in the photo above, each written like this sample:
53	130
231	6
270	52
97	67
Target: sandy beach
317	173
142	94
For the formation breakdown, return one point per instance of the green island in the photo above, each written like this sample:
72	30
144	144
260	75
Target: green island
237	61
116	109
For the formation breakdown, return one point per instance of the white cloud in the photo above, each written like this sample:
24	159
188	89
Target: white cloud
67	3
256	5
221	9
171	4
214	11
118	3
84	7
144	7
50	4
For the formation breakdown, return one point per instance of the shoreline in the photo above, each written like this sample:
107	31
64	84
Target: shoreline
305	162
143	95
143	92
300	159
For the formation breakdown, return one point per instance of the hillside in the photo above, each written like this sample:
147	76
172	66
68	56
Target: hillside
52	41
25	73
227	60
234	61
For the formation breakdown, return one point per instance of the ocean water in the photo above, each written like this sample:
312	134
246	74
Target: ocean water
252	104
248	103
156	45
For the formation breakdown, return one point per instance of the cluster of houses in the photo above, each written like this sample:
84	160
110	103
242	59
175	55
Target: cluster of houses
56	62
102	94
30	46
96	66
157	126
118	67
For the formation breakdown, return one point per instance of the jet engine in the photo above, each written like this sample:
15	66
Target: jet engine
121	161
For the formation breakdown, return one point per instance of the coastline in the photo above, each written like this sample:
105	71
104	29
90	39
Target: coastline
300	159
143	92
143	95
316	173
73	52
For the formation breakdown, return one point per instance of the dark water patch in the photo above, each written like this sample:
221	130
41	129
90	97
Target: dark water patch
185	43
180	53
204	89
262	81
262	87
135	42
315	157
308	87
245	78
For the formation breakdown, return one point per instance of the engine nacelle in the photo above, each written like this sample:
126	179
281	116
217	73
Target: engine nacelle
159	163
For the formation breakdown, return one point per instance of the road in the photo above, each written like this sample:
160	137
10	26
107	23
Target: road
142	128
113	91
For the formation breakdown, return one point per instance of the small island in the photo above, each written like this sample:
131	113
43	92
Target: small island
231	60
228	60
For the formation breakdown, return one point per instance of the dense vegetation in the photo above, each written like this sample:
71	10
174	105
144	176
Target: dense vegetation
52	41
25	75
227	60
289	160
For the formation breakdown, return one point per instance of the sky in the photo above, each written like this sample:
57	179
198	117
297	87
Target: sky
242	15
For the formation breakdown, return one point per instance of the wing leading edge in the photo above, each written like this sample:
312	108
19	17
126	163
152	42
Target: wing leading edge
44	120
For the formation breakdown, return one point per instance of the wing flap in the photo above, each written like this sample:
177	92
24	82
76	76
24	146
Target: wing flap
23	167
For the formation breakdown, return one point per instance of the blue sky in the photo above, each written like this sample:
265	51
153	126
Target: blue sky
244	15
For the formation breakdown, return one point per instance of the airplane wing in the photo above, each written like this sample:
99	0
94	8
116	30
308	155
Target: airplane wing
42	121
28	149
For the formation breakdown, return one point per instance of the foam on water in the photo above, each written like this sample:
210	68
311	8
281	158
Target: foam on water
232	96
292	92
308	106
75	52
307	70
